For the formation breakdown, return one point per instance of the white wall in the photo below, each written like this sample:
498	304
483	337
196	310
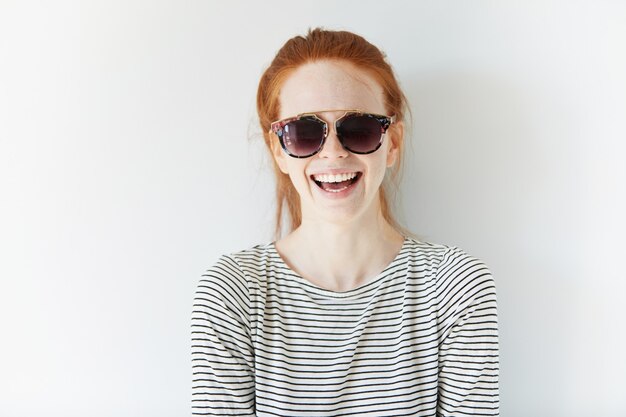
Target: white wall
130	159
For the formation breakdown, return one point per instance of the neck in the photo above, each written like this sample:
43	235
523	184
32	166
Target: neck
341	256
330	237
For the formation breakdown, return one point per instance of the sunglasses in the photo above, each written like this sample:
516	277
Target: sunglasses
303	135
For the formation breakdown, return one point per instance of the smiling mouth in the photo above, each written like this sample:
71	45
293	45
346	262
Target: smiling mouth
336	183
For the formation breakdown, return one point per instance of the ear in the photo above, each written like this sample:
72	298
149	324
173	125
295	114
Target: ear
278	153
395	133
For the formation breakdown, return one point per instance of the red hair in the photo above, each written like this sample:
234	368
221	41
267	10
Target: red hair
320	44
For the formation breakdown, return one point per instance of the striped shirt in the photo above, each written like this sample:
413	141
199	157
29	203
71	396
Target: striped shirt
420	339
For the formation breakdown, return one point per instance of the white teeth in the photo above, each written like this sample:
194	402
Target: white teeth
334	177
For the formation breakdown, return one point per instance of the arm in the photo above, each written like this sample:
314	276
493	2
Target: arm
222	353
468	342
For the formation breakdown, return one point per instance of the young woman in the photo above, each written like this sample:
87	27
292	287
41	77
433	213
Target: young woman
347	314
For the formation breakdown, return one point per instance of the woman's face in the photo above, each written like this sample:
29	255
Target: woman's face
335	85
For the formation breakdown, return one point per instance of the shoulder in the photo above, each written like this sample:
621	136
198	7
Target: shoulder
423	251
451	266
237	269
255	259
226	284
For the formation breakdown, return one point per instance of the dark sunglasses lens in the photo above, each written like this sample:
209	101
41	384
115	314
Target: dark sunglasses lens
360	134
303	137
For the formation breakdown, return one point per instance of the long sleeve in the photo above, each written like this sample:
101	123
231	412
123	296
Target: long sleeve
222	353
468	340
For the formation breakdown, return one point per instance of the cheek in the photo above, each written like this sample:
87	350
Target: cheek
280	160
296	174
380	175
377	169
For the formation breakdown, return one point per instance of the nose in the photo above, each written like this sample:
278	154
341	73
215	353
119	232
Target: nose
332	147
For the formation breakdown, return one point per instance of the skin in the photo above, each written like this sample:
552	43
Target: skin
343	242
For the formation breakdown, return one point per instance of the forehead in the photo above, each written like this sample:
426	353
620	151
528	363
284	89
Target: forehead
323	85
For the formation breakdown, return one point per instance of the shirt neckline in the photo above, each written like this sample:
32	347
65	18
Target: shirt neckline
340	294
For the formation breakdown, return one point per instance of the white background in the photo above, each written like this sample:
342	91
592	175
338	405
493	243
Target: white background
130	159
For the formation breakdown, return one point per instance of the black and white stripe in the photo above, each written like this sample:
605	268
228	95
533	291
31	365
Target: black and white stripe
421	339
